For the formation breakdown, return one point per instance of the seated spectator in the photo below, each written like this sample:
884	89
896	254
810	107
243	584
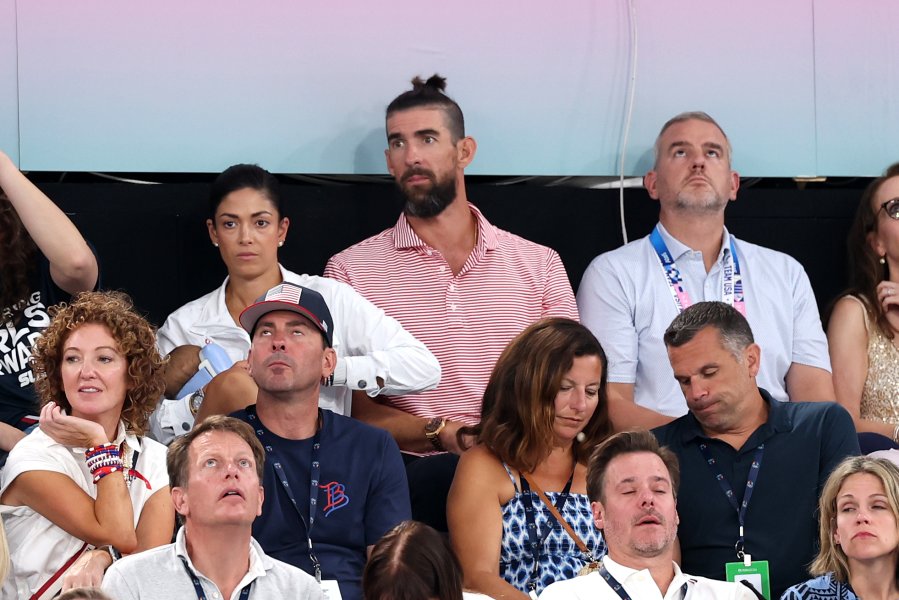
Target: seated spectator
629	295
412	562
374	353
543	410
460	284
859	534
752	467
44	262
632	484
333	485
863	324
216	474
87	485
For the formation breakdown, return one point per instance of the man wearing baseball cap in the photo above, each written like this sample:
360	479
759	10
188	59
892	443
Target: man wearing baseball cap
333	485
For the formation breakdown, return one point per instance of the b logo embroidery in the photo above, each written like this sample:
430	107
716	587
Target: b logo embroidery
336	496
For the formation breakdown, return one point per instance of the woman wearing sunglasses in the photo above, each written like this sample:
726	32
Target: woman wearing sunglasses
863	328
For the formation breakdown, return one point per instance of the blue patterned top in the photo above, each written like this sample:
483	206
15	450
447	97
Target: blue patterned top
560	557
820	588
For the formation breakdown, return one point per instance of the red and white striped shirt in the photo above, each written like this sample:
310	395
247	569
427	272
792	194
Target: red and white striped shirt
465	320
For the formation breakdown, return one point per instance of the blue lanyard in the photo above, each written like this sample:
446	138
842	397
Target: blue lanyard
729	492
201	595
536	540
731	287
282	477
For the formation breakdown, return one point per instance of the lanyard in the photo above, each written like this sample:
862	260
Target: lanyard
729	492
313	484
619	589
731	286
536	540
201	595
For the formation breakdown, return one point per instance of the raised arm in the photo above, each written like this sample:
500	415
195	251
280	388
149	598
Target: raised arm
474	515
73	266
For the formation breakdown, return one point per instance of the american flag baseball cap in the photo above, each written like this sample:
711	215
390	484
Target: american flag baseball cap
293	298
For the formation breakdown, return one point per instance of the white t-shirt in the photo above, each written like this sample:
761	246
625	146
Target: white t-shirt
38	547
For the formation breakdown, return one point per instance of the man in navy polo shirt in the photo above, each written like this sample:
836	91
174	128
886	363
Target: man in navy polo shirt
333	485
737	446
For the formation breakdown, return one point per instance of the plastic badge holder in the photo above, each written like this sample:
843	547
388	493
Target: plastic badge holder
213	360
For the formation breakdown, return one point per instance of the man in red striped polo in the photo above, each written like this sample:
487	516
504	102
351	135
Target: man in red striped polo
459	284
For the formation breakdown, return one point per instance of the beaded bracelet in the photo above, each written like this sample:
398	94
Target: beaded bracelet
104	471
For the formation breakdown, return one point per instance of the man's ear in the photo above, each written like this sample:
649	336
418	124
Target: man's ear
179	500
598	514
329	362
649	182
466	148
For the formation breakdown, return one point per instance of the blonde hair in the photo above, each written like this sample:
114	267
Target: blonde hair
831	557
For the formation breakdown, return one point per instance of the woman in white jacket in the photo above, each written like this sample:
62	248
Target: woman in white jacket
246	223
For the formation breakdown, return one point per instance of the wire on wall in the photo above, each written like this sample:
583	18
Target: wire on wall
631	88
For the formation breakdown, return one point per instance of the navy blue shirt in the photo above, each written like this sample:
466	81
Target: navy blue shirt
804	441
362	494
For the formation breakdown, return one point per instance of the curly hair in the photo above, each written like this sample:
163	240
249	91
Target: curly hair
518	409
17	265
136	341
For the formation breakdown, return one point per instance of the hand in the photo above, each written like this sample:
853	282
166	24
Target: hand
70	431
88	570
450	440
241	364
888	294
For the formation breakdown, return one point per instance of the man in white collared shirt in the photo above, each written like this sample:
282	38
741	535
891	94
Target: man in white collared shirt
632	485
629	296
216	473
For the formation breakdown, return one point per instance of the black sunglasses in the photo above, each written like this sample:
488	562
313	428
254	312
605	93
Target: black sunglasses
891	208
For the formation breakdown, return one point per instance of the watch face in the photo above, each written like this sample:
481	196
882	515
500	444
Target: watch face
433	425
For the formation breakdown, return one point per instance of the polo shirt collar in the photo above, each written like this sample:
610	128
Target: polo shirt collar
405	236
678	248
259	561
779	421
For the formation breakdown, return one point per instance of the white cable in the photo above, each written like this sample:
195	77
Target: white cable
124	180
631	88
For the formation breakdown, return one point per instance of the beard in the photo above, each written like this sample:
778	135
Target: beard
428	202
699	201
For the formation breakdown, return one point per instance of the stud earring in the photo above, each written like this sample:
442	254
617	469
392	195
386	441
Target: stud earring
581	436
281	244
216	244
882	260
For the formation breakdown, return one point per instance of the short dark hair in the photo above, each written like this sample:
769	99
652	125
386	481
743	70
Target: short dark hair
177	458
693	115
627	442
83	593
429	94
733	327
412	561
238	177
